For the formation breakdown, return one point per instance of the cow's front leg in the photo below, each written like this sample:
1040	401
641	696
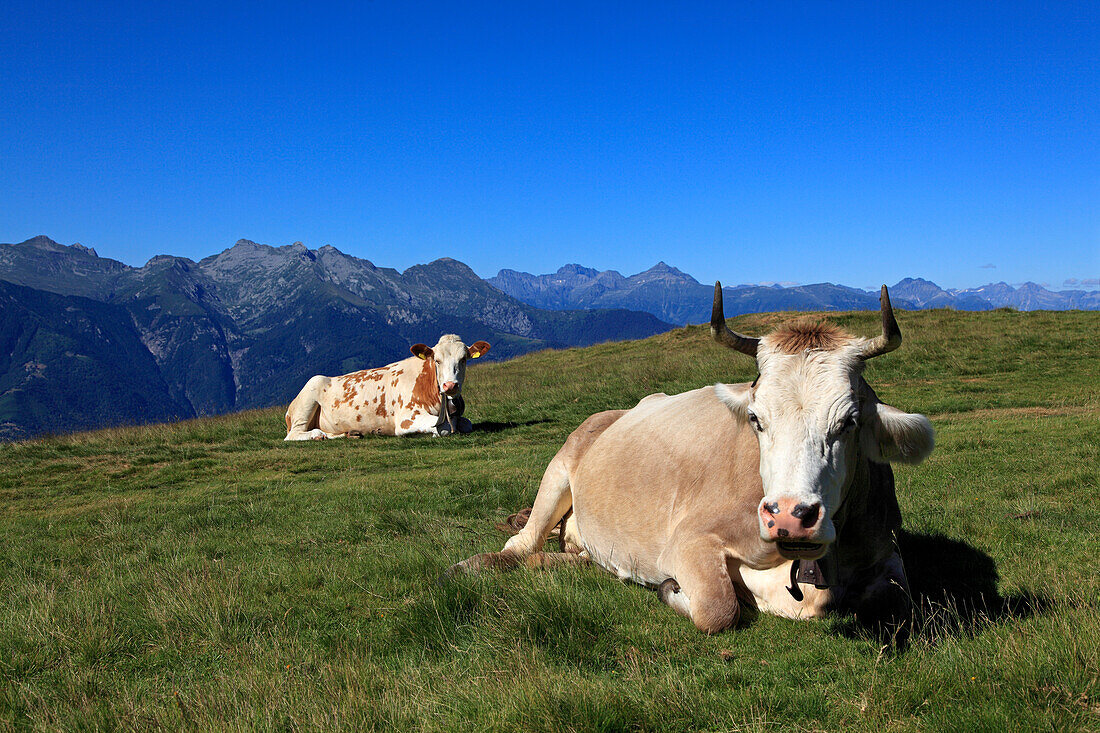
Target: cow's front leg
418	422
315	434
700	587
455	407
886	598
460	425
769	591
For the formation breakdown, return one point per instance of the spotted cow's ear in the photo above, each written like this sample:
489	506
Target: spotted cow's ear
421	350
479	348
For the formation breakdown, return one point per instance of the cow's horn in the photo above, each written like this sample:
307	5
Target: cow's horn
722	333
891	334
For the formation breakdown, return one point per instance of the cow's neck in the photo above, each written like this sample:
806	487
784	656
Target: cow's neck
824	572
867	521
444	413
426	394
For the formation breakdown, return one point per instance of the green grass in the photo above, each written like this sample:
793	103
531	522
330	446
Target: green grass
207	575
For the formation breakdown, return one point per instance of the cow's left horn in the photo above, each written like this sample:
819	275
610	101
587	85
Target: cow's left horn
891	334
722	333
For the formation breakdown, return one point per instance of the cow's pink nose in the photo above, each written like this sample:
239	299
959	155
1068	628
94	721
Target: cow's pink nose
789	520
449	387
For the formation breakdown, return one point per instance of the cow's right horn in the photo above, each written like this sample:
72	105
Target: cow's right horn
722	333
891	334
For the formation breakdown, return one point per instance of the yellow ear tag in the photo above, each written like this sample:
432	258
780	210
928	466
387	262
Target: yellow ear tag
475	354
421	357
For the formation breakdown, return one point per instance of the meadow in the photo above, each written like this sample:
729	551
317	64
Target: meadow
206	575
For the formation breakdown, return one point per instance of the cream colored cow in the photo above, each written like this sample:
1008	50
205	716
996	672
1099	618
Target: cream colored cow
397	399
728	494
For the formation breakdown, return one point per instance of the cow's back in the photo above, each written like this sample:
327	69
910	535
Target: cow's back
581	439
671	464
360	401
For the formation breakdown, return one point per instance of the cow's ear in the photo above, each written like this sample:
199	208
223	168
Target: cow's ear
890	435
479	348
736	397
421	350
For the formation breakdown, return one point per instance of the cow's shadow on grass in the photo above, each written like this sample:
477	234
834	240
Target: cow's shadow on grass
954	593
500	427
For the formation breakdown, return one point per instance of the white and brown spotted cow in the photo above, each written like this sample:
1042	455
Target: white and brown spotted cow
731	494
397	399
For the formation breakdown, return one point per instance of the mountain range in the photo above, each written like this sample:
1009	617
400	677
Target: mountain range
93	342
676	297
87	341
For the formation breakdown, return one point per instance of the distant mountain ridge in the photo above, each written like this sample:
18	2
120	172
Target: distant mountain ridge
88	341
1028	296
676	297
243	328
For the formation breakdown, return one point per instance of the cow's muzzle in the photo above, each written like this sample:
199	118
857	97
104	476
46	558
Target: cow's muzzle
800	550
799	530
449	388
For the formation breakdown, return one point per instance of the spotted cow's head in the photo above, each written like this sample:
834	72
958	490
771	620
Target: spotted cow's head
448	359
813	415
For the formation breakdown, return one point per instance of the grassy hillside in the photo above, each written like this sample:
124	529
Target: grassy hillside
207	575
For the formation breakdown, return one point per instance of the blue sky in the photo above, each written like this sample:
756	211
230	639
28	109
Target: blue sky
808	142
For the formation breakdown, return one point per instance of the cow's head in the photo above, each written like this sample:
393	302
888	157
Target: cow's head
448	358
813	415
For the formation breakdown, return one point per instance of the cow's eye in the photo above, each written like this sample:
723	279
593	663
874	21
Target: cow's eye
756	422
849	424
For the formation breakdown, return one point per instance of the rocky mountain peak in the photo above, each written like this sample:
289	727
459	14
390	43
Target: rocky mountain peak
444	267
43	242
574	270
158	261
247	256
665	273
922	293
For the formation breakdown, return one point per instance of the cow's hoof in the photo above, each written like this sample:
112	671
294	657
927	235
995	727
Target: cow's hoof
464	425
